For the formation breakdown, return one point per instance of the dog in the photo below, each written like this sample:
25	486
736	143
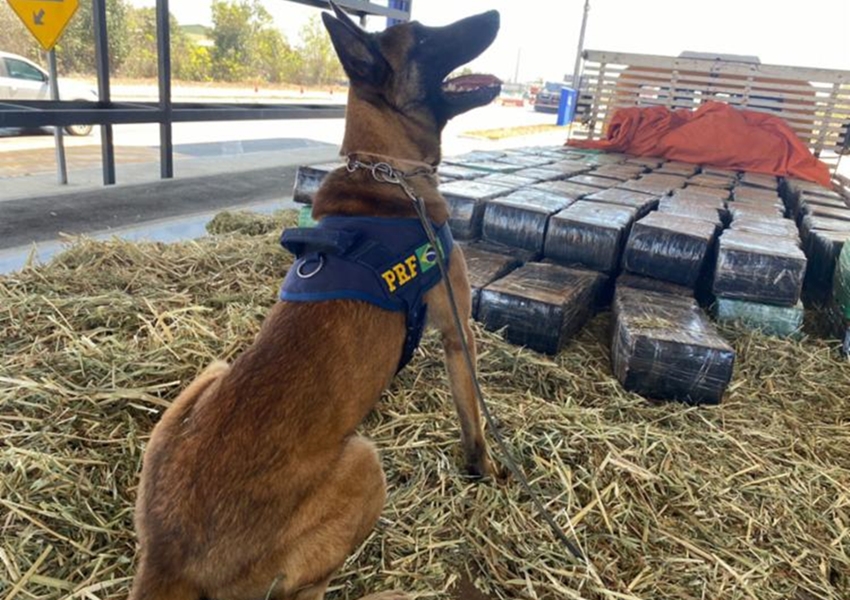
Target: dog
254	483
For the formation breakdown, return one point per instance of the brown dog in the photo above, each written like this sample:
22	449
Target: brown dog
255	484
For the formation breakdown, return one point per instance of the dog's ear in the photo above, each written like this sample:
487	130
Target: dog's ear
357	50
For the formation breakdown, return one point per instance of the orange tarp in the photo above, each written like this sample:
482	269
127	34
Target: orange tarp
715	134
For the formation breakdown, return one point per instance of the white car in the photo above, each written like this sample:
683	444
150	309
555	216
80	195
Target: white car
22	79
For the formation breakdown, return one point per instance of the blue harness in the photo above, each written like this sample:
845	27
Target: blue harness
387	262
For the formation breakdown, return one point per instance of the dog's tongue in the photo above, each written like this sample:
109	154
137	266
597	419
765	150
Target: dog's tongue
469	83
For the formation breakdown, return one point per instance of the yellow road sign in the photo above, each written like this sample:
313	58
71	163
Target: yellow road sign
46	19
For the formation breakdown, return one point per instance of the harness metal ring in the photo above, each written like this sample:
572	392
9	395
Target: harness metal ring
300	269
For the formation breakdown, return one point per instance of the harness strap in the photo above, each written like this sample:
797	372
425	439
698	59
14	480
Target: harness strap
386	262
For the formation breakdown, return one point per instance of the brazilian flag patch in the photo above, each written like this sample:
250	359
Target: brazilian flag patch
427	257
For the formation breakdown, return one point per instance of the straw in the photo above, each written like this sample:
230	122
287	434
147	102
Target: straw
750	499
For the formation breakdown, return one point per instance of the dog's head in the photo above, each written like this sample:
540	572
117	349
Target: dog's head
404	68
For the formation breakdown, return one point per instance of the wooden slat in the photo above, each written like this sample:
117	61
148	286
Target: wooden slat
814	102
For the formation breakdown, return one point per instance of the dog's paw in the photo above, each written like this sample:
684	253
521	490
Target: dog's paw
486	471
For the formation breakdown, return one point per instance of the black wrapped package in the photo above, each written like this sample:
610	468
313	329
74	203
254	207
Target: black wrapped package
466	201
648	162
525	160
642	203
519	219
490	166
822	249
669	247
792	185
569	168
741	192
665	347
759	268
707	209
589	234
698	192
573	191
308	178
808	201
451	171
760	180
538	174
639	282
810	223
712	181
842	213
474	156
654	184
508	180
621	172
674	167
594	181
776	226
540	305
485	263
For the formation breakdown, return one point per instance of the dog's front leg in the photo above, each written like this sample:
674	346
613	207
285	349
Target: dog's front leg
460	376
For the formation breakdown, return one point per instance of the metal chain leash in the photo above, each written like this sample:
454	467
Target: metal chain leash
386	173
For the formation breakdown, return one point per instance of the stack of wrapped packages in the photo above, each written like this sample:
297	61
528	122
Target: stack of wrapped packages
553	234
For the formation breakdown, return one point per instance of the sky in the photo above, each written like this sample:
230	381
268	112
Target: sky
538	39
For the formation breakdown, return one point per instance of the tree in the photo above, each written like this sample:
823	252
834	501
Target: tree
319	61
234	25
142	38
14	37
75	51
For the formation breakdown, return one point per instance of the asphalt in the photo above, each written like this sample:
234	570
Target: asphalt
33	223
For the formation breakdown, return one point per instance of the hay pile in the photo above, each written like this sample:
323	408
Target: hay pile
747	500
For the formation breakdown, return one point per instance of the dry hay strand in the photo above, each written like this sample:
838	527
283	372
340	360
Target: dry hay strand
750	499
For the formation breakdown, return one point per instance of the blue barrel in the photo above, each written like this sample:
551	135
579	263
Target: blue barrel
567	106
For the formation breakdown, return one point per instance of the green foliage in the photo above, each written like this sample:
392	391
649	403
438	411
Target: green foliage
242	45
319	61
14	37
75	51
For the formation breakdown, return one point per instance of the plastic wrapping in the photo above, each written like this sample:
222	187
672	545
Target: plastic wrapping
446	170
740	192
308	178
539	174
778	226
639	282
780	321
540	305
793	185
665	347
485	263
841	213
759	268
466	201
659	185
707	209
713	181
596	181
489	166
525	160
710	170
589	234
675	167
642	203
519	219
474	156
760	180
508	180
573	191
568	168
669	247
621	172
699	192
811	223
744	210
649	162
841	285
822	249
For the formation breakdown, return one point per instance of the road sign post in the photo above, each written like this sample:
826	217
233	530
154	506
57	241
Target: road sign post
46	21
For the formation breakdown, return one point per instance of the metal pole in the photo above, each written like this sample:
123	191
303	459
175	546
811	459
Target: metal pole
101	46
576	69
61	167
163	47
